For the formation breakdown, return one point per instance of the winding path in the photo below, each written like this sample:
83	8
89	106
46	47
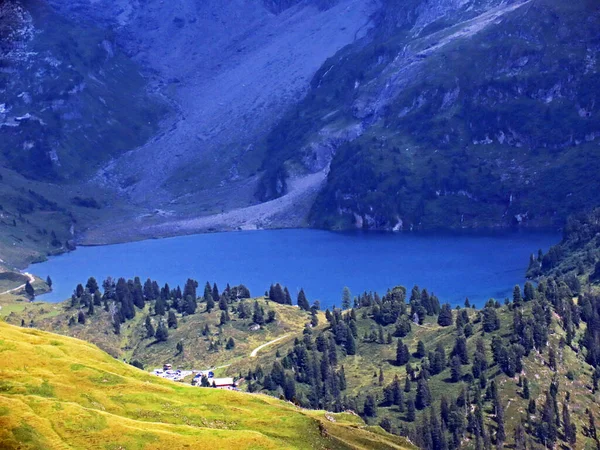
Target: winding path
260	347
31	280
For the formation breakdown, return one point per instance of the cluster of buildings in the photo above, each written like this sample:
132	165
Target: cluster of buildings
180	375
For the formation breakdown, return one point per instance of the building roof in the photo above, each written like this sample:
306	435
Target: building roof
223	381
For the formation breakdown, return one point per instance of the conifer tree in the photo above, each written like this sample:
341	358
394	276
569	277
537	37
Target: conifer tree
423	396
402	353
160	307
29	290
149	328
455	369
370	408
411	412
517	299
445	318
302	301
346	298
81	317
172	319
350	345
162	333
288	297
230	344
215	291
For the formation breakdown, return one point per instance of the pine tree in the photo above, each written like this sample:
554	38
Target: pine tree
445	318
546	428
411	412
223	303
230	344
160	307
370	408
149	328
346	298
302	301
172	319
29	290
49	281
92	285
420	353
423	396
520	437
526	393
455	369
517	299
162	333
210	303
350	345
499	410
288	297
258	316
179	347
215	291
569	428
402	353
81	317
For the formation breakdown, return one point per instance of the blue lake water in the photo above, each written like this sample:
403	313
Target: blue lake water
452	265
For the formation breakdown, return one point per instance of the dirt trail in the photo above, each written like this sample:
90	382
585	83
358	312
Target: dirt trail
31	280
260	347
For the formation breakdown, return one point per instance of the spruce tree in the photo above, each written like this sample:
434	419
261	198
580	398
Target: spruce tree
370	408
411	412
81	317
402	353
149	328
162	333
350	345
423	396
445	318
517	298
302	301
172	319
29	290
346	298
455	369
159	307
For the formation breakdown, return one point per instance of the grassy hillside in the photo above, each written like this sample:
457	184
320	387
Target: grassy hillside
58	392
200	351
561	359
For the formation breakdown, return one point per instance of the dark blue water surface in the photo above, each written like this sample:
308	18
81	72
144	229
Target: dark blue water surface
453	265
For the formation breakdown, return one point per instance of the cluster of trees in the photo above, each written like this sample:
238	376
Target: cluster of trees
123	299
498	347
309	374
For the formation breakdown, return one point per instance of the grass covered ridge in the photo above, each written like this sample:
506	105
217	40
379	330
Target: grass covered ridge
59	392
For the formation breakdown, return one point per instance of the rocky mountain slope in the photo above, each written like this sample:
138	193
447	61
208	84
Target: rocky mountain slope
174	118
453	114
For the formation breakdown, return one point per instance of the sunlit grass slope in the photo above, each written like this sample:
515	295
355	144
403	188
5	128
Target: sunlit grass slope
58	392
